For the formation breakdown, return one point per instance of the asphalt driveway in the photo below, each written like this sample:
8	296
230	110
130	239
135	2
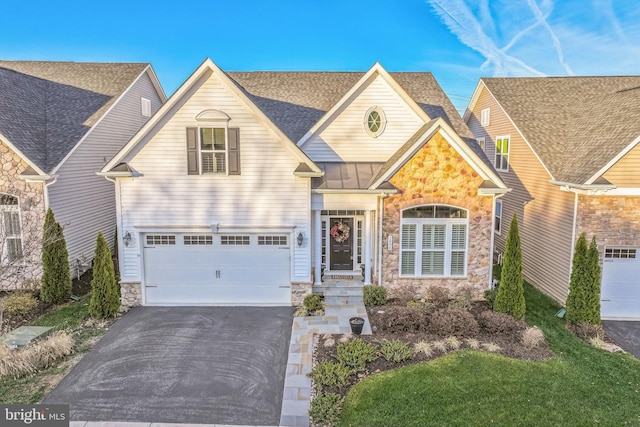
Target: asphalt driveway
624	333
215	365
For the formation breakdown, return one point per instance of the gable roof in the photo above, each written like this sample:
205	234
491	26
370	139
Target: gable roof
46	108
196	78
296	101
575	125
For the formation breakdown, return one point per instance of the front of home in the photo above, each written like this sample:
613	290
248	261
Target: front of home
568	148
249	188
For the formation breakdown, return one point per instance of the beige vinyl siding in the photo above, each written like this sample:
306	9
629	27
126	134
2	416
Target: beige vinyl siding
626	172
83	202
545	213
346	139
265	194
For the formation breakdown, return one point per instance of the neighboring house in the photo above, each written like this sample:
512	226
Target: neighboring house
250	187
60	122
568	147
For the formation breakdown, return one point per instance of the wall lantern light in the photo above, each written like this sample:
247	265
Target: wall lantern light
300	239
126	239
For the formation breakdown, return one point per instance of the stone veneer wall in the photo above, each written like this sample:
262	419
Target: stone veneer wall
32	213
130	294
437	174
613	220
299	291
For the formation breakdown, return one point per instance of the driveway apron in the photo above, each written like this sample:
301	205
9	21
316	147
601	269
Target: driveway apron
625	333
213	365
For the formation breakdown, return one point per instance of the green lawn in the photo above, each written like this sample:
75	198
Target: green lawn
31	388
581	386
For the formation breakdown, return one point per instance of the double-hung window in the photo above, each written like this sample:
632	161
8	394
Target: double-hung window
433	242
11	232
213	150
502	153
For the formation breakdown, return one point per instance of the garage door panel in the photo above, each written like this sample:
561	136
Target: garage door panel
620	290
231	274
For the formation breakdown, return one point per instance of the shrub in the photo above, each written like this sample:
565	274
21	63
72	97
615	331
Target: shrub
356	354
374	295
446	322
462	299
499	323
330	374
36	355
423	305
585	331
325	409
312	302
532	337
423	347
440	346
510	297
453	342
56	275
405	294
403	319
490	296
104	288
491	347
583	301
473	343
439	296
396	351
19	304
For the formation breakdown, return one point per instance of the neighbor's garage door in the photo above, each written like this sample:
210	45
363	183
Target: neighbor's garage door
247	269
620	294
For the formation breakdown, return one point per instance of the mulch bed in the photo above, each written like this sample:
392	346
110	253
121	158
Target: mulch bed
510	344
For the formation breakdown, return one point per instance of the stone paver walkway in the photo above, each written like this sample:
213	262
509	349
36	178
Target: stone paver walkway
343	299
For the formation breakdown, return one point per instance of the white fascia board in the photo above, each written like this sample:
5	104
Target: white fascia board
369	76
613	161
473	101
156	83
13	148
524	138
354	191
492	191
106	113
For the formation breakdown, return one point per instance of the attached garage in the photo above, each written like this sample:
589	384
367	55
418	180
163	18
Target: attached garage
216	269
620	293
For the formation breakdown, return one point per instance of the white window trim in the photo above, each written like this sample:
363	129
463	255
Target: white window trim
482	143
4	255
145	107
224	126
485	116
448	222
383	121
502	156
498	228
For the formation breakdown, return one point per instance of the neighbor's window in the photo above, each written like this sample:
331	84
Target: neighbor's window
481	143
213	150
145	107
502	153
498	222
11	232
433	241
485	116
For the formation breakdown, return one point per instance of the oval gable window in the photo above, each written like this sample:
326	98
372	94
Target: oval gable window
374	121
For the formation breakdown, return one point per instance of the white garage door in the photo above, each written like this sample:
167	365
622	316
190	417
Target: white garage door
620	294
242	269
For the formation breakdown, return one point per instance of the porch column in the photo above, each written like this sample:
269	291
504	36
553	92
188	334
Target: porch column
317	246
367	247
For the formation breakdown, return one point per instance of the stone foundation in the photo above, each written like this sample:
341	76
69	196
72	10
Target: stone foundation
298	292
130	294
438	175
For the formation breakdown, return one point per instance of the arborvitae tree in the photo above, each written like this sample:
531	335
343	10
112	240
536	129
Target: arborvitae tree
579	283
56	274
510	297
593	294
104	288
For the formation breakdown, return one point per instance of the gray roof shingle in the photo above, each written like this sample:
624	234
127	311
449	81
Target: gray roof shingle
576	125
47	107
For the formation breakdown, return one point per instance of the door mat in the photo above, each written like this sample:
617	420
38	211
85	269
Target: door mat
344	277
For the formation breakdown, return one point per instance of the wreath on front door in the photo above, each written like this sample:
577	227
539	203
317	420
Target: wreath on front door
340	232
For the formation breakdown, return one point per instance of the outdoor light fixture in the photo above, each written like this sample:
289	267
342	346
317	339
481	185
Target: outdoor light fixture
126	239
300	239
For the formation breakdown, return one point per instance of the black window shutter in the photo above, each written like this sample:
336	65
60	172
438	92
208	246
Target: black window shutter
192	151
234	151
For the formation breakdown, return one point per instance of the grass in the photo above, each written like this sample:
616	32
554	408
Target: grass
580	386
32	387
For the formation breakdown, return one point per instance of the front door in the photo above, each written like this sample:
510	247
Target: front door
341	244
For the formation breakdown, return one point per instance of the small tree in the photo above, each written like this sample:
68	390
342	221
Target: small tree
56	274
510	298
583	301
104	288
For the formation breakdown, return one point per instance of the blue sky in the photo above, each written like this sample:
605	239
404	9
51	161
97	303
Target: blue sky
458	40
